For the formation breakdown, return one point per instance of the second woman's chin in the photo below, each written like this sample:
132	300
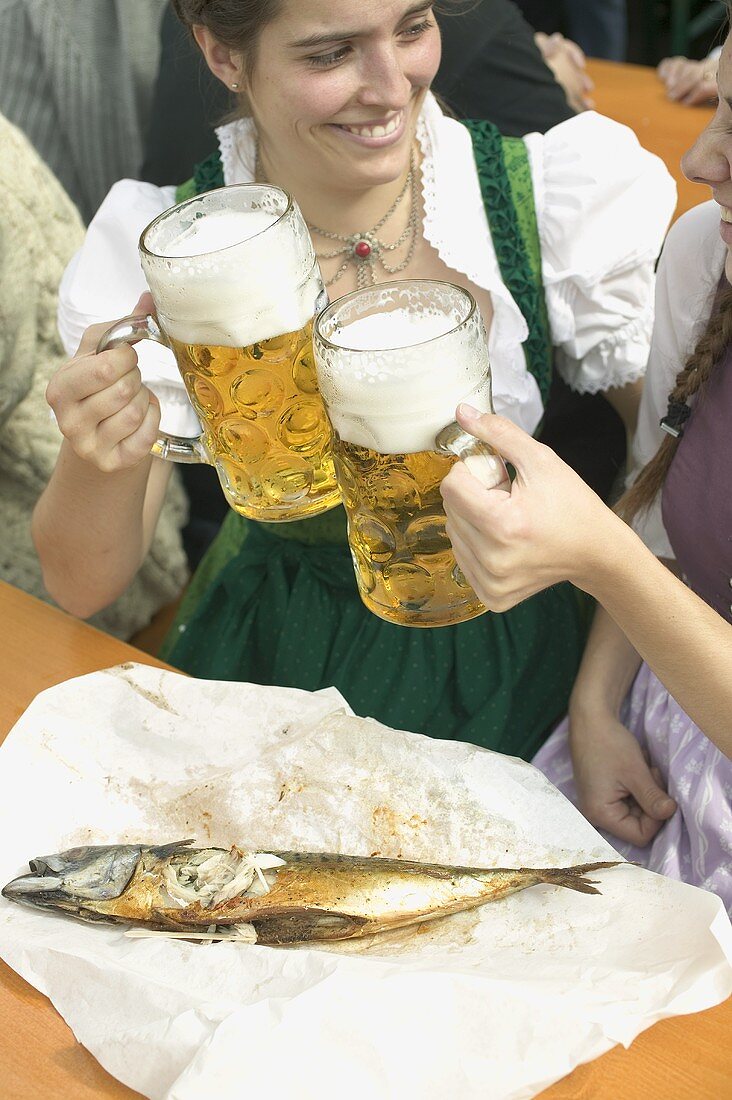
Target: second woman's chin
728	266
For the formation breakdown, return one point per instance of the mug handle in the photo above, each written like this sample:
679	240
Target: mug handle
175	448
485	464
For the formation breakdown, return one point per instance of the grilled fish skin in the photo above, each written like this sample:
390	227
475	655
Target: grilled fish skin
303	897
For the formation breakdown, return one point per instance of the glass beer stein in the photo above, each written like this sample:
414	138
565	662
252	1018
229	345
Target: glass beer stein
394	361
236	286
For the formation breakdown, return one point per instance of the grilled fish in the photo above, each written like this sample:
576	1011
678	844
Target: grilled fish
269	898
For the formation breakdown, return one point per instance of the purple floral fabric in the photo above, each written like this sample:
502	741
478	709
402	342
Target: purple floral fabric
695	845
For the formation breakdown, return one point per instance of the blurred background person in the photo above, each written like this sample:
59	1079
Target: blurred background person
77	77
693	83
599	27
40	229
569	65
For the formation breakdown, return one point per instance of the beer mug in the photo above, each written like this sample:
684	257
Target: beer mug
394	361
236	285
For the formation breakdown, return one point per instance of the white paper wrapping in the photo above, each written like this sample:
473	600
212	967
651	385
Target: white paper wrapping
498	1002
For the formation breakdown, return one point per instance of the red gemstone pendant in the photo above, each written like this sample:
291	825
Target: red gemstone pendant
362	249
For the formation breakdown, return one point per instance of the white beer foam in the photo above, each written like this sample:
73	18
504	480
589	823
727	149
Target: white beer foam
219	229
397	401
224	281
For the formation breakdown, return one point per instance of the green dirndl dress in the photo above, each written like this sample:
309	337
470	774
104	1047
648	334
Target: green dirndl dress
278	603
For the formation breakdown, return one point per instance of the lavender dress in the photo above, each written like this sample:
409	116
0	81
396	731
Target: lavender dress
695	845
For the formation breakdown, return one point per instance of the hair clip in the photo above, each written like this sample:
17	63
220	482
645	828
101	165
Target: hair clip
674	420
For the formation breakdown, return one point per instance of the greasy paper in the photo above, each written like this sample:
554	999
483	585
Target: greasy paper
514	994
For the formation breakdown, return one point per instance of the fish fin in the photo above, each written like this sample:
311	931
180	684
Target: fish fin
165	850
307	925
571	877
163	921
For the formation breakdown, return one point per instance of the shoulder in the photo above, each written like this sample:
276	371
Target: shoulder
592	149
601	198
131	204
689	271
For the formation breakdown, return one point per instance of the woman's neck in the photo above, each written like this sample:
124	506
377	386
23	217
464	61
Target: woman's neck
336	210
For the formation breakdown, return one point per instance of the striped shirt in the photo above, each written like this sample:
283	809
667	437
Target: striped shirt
77	77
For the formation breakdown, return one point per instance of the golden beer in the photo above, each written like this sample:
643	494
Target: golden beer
394	361
236	286
405	568
264	423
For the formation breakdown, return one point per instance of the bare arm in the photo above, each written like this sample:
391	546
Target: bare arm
552	527
617	788
94	522
686	643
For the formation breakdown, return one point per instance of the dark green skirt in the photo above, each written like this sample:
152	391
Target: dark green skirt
272	608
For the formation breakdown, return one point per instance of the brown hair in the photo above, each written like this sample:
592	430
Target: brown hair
239	23
690	382
235	23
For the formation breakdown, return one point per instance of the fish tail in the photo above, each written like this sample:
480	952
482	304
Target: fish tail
571	877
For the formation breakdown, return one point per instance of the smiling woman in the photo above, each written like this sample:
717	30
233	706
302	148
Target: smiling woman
555	236
335	101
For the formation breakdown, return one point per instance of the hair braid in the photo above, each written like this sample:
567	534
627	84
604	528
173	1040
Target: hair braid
690	382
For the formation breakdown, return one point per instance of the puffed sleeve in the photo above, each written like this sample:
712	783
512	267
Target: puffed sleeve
688	275
104	281
603	206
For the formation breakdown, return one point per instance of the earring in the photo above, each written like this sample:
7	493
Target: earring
234	87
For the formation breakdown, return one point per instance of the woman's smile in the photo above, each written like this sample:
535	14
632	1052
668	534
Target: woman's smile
375	134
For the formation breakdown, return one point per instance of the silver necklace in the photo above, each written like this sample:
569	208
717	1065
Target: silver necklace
365	249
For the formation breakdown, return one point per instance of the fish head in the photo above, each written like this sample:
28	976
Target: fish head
75	879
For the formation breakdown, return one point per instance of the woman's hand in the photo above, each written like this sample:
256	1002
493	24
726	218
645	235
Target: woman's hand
550	527
690	82
616	789
569	65
101	405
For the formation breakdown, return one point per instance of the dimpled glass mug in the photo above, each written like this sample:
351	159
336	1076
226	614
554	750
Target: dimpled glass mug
236	286
394	361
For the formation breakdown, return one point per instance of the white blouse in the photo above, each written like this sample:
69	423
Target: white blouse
688	276
603	205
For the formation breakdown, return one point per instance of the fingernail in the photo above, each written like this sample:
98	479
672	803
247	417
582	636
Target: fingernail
467	412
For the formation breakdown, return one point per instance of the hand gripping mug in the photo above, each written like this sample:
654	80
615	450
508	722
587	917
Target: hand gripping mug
236	286
394	361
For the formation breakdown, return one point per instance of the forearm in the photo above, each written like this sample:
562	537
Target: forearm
607	671
91	532
685	642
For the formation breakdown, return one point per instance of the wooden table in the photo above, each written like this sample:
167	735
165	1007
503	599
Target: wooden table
633	94
687	1058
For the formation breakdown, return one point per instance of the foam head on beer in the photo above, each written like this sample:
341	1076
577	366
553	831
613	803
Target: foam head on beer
231	268
392	377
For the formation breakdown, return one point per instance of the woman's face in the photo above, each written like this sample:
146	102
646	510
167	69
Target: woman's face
709	160
336	88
